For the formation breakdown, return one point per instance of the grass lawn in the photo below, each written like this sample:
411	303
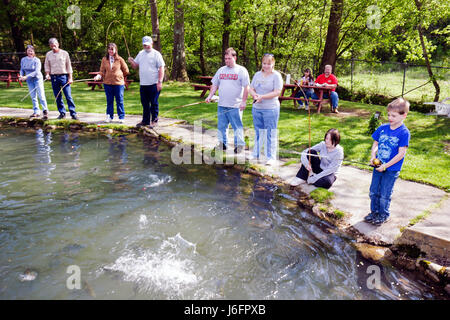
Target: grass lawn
427	160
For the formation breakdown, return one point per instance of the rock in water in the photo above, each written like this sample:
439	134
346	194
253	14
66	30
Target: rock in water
371	252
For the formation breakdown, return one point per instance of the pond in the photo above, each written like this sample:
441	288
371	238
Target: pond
136	226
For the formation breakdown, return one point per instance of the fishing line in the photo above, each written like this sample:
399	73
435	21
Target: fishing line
320	156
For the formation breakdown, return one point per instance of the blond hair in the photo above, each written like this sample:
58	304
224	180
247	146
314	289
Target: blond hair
399	105
268	56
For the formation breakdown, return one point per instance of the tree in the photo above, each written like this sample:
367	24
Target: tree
14	19
155	25
332	40
178	54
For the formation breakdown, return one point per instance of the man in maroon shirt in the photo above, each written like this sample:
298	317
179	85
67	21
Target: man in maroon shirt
327	79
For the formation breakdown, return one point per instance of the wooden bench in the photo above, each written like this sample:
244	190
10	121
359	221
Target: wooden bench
9	76
203	87
295	88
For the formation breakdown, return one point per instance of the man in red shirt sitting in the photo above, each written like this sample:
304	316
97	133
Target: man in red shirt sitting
327	79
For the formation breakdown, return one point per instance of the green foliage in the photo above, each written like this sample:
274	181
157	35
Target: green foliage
321	195
374	123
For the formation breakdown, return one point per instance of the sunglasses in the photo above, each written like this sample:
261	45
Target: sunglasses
268	54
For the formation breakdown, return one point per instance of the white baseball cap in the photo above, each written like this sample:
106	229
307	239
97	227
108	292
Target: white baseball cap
147	40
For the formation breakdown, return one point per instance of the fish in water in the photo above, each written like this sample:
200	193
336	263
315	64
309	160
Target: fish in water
87	287
28	275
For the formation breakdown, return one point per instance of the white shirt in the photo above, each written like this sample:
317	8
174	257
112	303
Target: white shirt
149	64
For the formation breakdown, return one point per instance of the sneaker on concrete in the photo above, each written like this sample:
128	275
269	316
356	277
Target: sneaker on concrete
369	218
74	117
378	221
141	124
45	116
296	181
221	146
272	162
35	115
61	116
238	149
251	157
108	119
121	120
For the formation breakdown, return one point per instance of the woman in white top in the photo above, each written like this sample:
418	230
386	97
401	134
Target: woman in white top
321	163
265	89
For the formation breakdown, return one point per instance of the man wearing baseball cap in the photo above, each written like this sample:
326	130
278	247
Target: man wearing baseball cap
151	74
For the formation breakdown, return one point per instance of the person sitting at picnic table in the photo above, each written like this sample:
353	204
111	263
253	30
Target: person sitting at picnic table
306	80
30	70
265	88
327	79
113	70
320	164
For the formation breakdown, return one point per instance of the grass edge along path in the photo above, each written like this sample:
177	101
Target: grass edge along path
427	160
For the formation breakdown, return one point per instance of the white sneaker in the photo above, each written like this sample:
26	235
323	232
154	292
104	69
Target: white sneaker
296	181
121	121
108	119
271	162
251	157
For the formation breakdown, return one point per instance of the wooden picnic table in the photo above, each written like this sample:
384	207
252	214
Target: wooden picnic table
205	86
99	83
295	88
12	76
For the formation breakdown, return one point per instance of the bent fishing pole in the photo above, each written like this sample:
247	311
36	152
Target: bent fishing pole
321	156
29	93
91	79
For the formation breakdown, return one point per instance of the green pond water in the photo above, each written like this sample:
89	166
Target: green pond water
139	227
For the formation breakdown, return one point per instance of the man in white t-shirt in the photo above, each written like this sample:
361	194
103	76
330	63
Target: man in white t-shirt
233	81
151	74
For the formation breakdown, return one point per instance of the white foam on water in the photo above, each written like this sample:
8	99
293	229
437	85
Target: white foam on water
168	270
143	221
157	181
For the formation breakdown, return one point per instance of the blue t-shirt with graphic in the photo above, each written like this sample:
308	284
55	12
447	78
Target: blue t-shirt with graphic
389	141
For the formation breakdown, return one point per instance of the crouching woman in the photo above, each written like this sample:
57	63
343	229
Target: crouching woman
320	164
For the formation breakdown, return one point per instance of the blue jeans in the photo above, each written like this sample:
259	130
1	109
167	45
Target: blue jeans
225	116
381	190
149	101
307	92
114	91
36	88
58	81
333	96
265	122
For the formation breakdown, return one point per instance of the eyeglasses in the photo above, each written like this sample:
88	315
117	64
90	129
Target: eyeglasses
268	54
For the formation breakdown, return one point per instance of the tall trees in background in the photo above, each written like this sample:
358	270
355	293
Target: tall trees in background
178	54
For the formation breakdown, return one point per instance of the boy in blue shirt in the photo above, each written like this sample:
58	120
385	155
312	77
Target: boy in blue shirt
391	142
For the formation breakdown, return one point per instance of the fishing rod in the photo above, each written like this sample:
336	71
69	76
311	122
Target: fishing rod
29	93
68	84
321	156
123	34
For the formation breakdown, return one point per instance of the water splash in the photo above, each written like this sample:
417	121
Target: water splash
168	270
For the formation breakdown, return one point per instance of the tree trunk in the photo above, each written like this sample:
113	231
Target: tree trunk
255	47
16	30
425	55
179	72
226	30
202	47
243	46
332	40
155	25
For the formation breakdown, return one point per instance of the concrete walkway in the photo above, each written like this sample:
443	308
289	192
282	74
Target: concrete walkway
409	200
